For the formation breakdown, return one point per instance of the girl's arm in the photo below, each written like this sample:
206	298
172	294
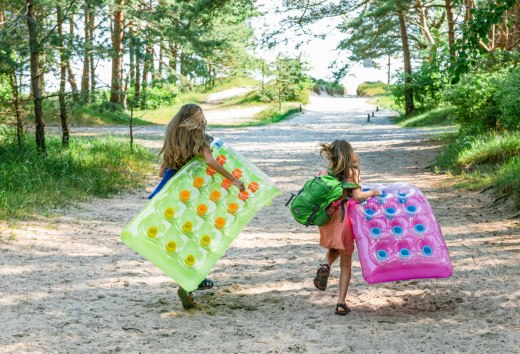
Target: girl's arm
210	160
358	194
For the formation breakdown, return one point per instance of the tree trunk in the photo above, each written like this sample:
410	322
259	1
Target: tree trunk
117	53
137	77
451	29
85	78
173	57
91	56
70	73
35	76
160	68
146	70
388	72
17	111
63	80
408	89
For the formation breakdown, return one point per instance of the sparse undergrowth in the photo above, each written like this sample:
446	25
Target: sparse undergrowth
435	117
483	161
89	167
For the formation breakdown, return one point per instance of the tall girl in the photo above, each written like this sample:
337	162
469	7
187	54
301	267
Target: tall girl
185	138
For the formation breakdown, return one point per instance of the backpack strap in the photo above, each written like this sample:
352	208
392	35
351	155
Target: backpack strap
312	216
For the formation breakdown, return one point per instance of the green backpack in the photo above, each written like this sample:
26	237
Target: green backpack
309	206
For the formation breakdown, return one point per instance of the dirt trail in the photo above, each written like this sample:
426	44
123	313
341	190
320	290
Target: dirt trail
68	285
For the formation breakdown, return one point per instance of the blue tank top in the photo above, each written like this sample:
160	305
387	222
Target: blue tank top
168	173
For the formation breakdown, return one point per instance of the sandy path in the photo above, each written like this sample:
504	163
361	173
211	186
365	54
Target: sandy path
69	285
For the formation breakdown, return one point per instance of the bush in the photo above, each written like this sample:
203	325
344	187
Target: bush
427	83
371	89
331	88
162	94
487	101
507	98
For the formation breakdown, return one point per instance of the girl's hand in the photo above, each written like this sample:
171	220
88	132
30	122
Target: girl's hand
376	193
239	184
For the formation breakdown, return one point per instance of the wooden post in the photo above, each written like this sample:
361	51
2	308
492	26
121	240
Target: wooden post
368	117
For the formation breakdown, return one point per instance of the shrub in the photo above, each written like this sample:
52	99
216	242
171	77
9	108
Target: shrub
474	96
507	98
371	89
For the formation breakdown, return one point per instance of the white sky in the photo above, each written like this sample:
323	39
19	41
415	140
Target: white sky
320	53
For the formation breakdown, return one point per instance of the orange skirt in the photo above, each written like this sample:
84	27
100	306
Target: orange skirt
336	234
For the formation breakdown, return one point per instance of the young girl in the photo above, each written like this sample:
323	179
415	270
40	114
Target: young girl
184	139
336	235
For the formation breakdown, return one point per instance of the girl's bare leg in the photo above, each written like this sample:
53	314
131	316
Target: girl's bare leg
331	256
344	278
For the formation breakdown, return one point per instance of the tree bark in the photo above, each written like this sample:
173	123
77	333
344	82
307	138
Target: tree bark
146	70
388	71
35	76
85	78
451	29
70	73
91	55
63	80
408	89
160	68
117	53
17	110
137	68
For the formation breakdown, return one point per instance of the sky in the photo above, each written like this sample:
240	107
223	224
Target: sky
319	53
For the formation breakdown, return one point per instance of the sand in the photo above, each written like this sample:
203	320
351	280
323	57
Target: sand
68	284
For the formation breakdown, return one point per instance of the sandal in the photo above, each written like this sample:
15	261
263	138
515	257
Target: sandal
206	284
322	276
186	298
344	309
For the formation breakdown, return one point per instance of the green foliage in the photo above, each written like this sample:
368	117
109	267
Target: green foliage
440	116
508	180
159	95
487	159
90	167
372	88
489	149
290	83
486	101
508	101
333	88
428	82
476	31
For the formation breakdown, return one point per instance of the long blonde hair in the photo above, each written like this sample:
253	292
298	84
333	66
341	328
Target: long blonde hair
184	137
343	161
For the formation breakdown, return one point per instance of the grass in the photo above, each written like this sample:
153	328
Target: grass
270	115
90	167
436	117
484	160
95	115
163	115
